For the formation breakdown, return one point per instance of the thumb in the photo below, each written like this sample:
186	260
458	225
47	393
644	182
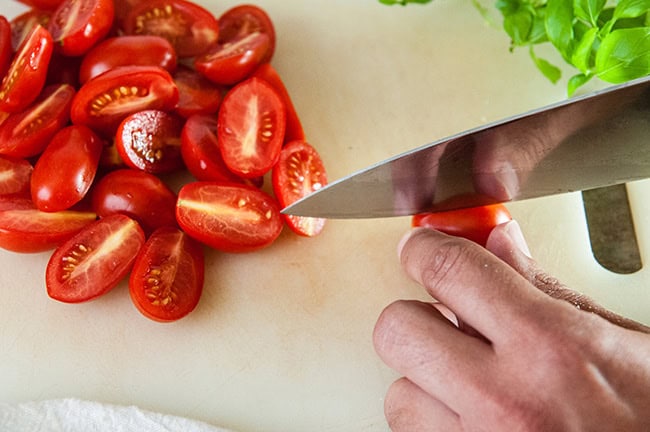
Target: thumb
507	242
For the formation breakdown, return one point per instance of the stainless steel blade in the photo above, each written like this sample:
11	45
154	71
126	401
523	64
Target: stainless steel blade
591	141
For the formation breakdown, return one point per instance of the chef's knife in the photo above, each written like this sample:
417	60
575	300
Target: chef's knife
591	141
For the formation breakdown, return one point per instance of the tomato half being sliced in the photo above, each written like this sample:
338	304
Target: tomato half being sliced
251	127
245	19
15	175
228	217
299	172
166	281
77	25
95	260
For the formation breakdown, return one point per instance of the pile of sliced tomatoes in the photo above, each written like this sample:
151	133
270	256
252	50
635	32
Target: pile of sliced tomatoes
103	99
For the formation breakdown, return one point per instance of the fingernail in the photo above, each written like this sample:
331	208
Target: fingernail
513	230
402	242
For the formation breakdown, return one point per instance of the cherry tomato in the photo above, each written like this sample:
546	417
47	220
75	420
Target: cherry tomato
228	217
197	95
294	130
77	25
127	50
6	50
299	172
151	141
233	61
246	19
474	223
77	148
42	4
94	260
27	73
23	24
29	230
16	202
63	70
137	194
15	175
167	278
25	134
104	101
188	26
251	128
110	159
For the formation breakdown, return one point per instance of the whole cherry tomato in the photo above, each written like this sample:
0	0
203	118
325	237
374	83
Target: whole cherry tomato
77	25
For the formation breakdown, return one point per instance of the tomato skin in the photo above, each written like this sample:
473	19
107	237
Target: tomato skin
197	95
474	223
188	26
167	278
27	72
6	50
299	172
233	61
251	111
245	19
144	50
77	148
228	217
27	133
137	194
94	260
91	22
150	141
42	4
15	175
104	101
29	230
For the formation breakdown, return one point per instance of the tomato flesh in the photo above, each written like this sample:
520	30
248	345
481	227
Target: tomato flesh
15	175
94	260
77	25
245	19
228	217
167	278
197	95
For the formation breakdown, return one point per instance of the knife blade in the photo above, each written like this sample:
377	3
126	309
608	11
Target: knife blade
595	140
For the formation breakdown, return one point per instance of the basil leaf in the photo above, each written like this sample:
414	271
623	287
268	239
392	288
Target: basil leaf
577	81
588	10
631	8
553	73
559	26
518	26
581	57
624	55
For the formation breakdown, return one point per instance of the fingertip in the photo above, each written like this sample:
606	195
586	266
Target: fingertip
405	238
508	235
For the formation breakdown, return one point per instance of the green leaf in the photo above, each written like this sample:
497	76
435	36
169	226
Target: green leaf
581	57
559	26
631	8
624	55
518	26
588	10
577	81
553	73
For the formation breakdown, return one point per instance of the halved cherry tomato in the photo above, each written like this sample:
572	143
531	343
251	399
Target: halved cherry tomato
142	50
25	134
16	202
104	101
151	141
94	260
6	50
251	128
29	230
188	26
123	8
474	223
77	148
77	25
197	95
228	217
294	130
246	19
167	278
15	175
27	73
299	172
137	194
23	24
42	4
233	61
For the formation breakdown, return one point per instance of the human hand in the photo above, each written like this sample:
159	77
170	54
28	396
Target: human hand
520	353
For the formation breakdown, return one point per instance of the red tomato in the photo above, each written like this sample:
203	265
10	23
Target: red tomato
188	26
25	134
167	278
251	128
294	130
474	223
23	24
15	175
27	73
104	101
110	159
94	260
299	172
197	95
29	230
151	141
228	217
77	148
42	4
15	202
233	61
63	70
137	194
246	19
77	25
127	50
6	50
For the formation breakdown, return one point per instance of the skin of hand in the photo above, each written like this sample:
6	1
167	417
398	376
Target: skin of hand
505	347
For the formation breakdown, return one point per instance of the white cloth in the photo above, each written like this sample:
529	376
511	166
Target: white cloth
75	415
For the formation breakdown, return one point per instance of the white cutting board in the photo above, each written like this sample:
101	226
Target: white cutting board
281	340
